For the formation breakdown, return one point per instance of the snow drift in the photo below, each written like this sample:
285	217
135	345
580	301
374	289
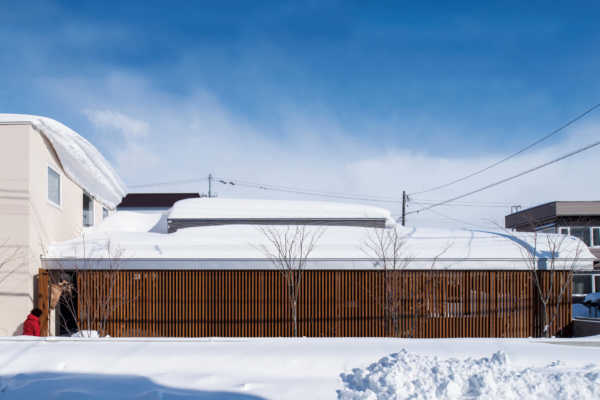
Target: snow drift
406	375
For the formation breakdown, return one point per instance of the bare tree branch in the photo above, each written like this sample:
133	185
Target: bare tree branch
288	250
544	259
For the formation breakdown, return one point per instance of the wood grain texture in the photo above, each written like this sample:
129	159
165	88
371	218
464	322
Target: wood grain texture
333	303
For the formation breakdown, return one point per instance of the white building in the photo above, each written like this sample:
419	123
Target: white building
53	184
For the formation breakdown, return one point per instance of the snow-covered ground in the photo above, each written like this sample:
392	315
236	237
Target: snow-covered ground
77	368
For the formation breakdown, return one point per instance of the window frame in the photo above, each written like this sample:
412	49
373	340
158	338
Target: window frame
60	186
591	232
91	213
591	282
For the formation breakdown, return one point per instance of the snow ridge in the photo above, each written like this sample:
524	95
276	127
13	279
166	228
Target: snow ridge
405	375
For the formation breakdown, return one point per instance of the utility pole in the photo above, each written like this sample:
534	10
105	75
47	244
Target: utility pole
403	207
210	179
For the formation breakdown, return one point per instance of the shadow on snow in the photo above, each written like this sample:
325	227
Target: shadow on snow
73	386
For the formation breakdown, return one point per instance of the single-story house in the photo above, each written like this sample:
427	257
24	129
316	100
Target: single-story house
209	271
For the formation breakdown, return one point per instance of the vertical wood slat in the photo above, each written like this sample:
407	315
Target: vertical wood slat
332	303
43	300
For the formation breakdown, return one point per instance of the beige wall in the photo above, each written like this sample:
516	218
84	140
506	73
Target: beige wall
28	219
16	284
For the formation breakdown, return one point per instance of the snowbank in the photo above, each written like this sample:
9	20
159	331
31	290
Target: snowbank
265	368
406	375
81	161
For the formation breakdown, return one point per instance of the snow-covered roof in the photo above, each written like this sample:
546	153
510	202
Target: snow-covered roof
223	208
80	160
142	243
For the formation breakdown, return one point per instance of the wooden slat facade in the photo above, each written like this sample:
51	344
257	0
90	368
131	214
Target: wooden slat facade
244	303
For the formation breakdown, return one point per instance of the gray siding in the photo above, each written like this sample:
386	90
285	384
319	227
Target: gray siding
176	223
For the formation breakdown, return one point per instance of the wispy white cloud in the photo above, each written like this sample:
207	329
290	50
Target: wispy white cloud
114	120
169	137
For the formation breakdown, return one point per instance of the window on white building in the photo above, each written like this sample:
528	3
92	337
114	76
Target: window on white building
104	212
53	186
88	210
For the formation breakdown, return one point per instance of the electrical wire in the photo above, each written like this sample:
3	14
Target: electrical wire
461	221
291	189
288	189
582	149
168	183
524	149
459	205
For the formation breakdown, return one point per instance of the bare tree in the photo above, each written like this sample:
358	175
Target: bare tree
551	272
388	247
551	287
385	245
88	304
288	250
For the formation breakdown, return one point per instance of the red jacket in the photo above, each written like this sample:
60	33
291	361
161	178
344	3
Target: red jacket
31	326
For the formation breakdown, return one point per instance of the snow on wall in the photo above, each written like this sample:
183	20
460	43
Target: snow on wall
81	161
140	240
273	209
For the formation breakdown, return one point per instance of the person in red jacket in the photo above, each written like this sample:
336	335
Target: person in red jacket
31	326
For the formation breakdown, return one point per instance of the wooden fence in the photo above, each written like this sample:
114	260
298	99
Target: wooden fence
420	304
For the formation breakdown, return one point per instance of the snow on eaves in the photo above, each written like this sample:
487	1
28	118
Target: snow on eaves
80	160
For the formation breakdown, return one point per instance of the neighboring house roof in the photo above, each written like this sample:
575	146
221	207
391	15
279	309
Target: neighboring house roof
221	211
141	245
547	212
154	200
80	160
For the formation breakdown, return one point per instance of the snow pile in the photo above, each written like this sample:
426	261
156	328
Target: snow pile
81	161
251	368
209	208
86	334
407	375
130	221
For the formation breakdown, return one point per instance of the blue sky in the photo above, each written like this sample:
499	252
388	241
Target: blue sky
338	82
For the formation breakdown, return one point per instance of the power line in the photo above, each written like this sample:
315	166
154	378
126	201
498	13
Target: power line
310	192
589	146
460	205
474	202
288	189
461	221
265	186
524	149
167	183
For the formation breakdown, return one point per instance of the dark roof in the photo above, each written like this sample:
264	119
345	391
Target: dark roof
139	200
546	213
